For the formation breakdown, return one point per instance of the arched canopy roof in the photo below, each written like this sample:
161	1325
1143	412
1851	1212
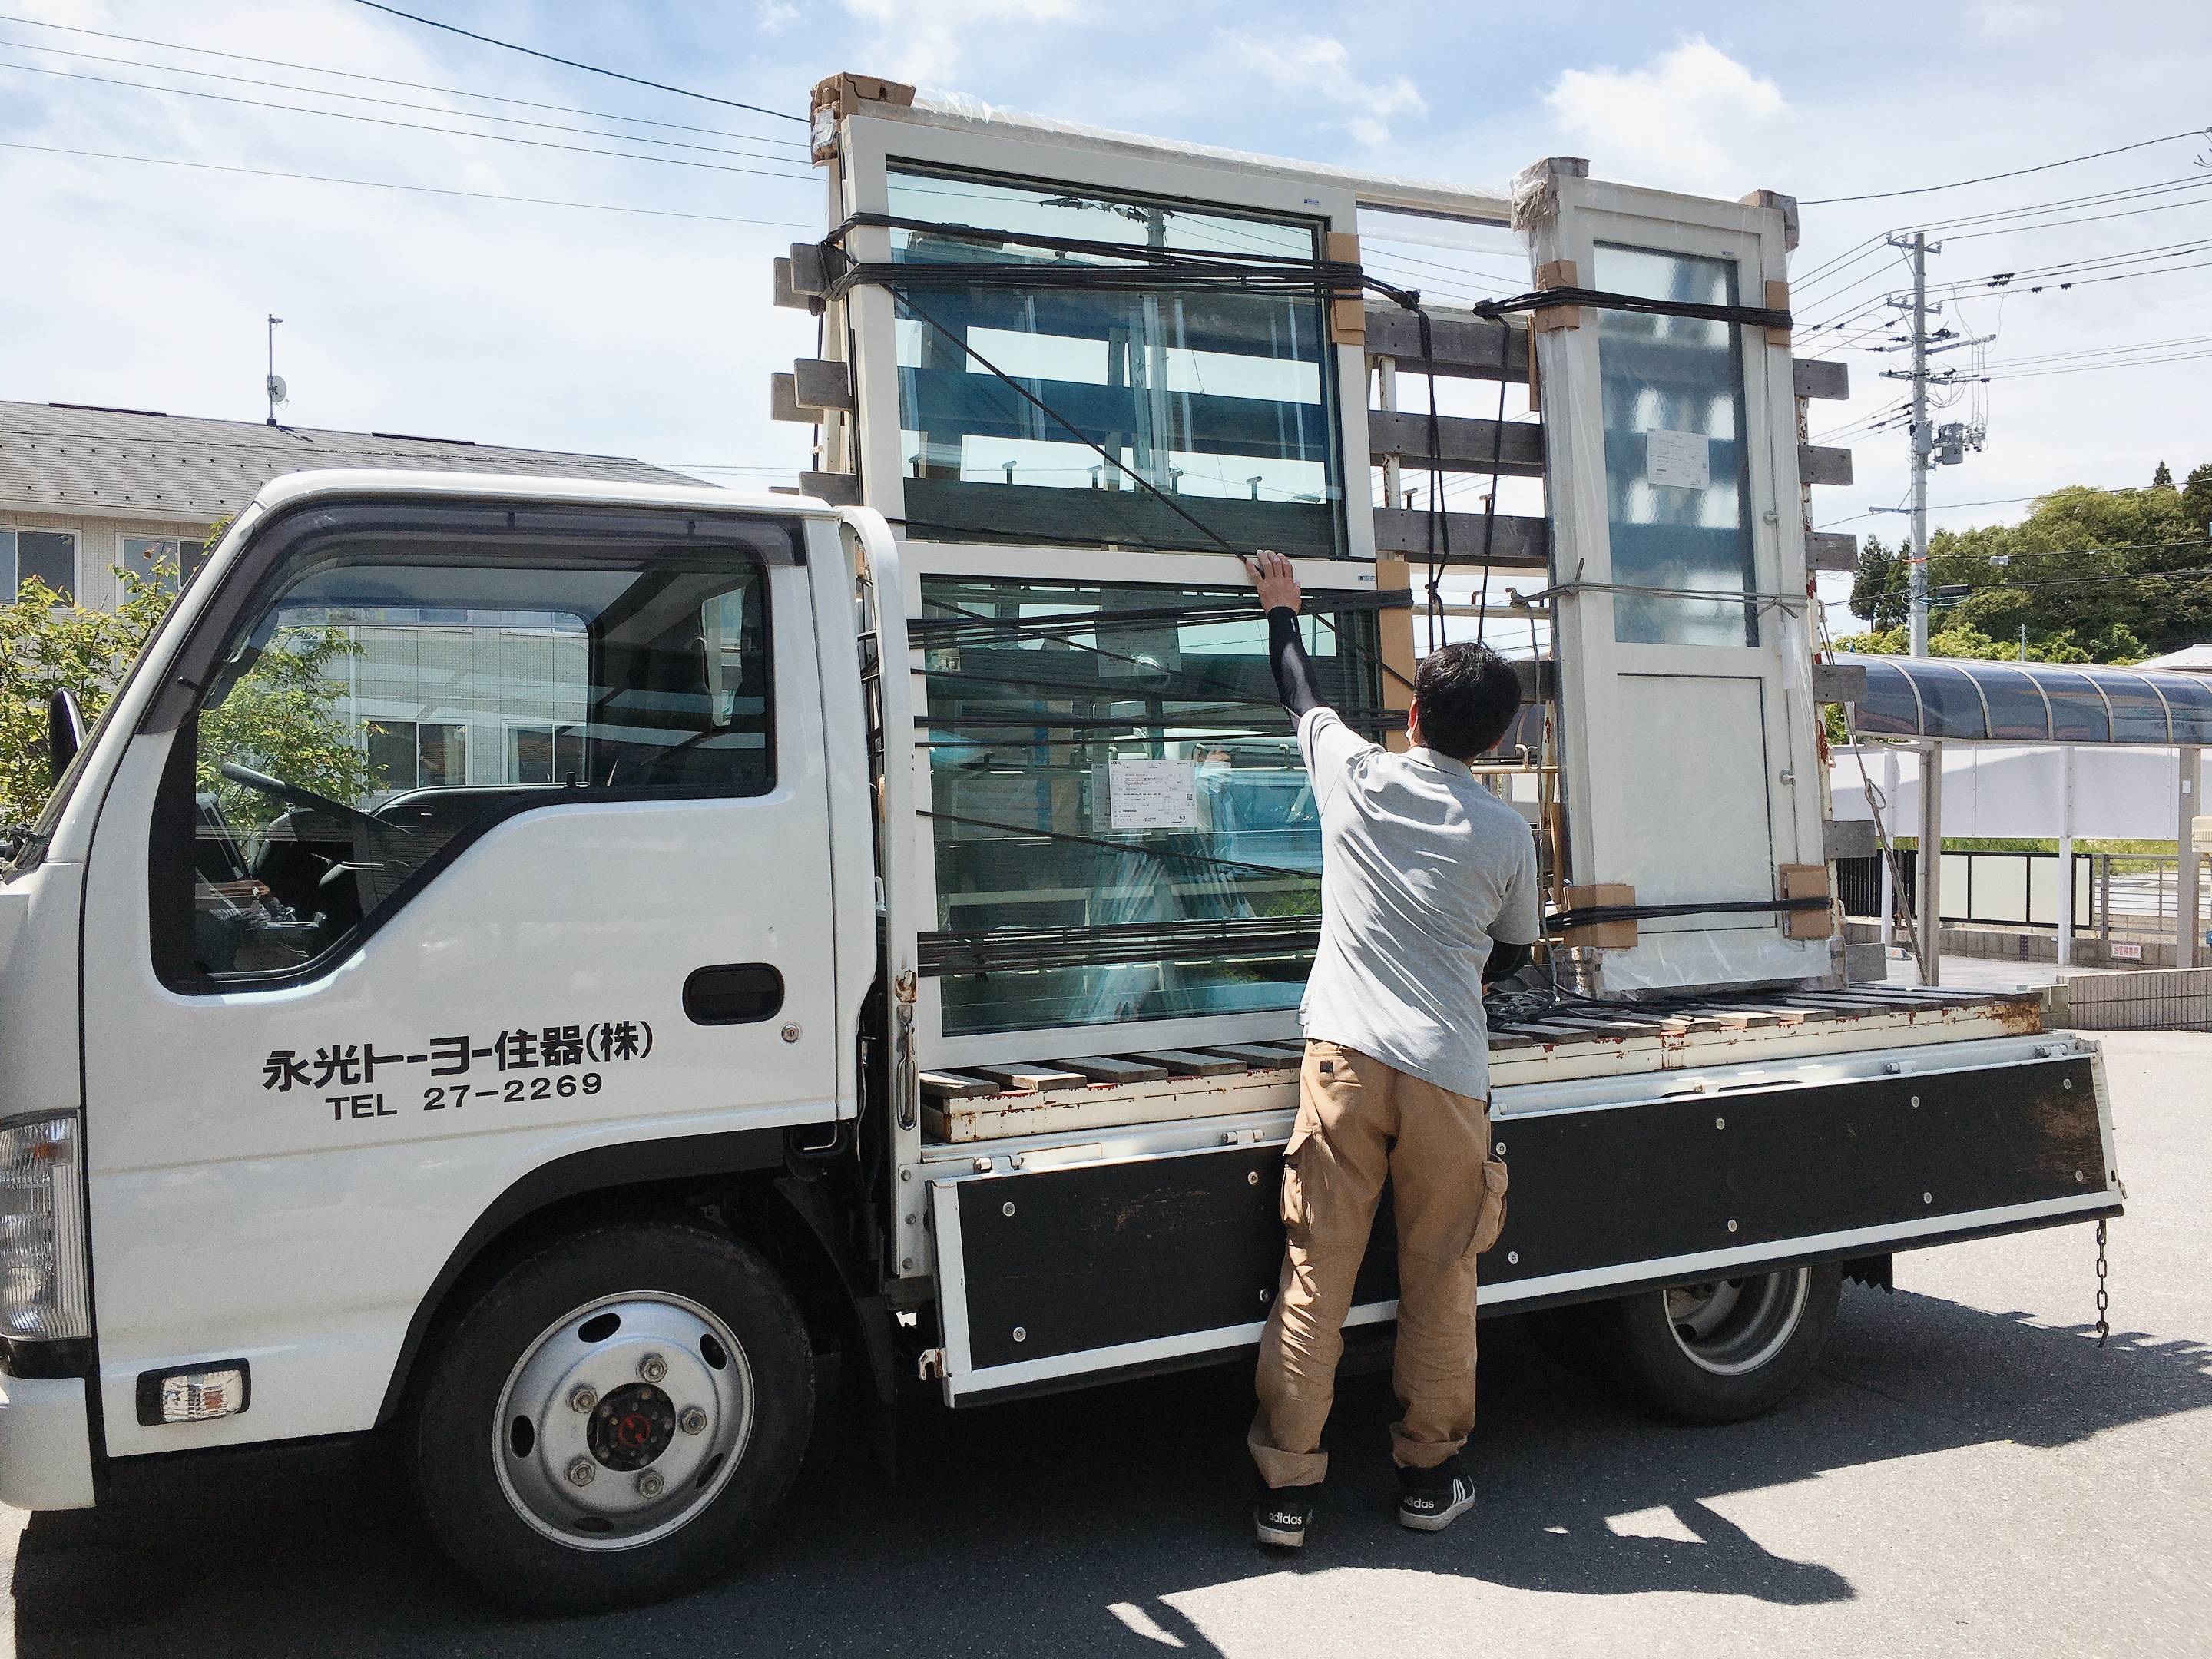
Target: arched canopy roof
1966	699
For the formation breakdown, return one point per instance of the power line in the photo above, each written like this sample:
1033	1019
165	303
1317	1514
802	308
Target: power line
1987	177
379	80
399	103
410	126
589	68
421	189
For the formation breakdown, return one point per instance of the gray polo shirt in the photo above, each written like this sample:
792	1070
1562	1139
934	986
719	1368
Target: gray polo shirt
1422	868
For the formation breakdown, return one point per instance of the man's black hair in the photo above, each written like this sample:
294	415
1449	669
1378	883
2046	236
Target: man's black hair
1467	695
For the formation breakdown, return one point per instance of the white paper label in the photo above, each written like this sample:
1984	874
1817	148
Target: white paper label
1154	794
1678	461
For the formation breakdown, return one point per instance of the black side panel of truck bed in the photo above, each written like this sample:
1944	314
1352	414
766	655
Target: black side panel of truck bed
1078	1258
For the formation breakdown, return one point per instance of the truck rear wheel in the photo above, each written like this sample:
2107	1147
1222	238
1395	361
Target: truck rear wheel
612	1420
1721	1350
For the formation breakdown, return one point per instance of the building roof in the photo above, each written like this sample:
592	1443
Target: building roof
63	458
2190	660
1966	699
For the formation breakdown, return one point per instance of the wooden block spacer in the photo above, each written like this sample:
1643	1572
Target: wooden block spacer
1806	881
1609	935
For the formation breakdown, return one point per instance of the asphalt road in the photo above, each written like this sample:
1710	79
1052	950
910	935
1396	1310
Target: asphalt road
1967	1473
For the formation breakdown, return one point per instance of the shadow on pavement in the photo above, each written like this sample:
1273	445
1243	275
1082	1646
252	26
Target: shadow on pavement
1064	1524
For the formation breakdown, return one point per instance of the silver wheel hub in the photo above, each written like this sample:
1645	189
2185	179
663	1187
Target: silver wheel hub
1731	1327
623	1420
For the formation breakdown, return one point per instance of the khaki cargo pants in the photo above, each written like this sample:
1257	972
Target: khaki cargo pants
1359	1121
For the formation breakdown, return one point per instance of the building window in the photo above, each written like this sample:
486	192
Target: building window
545	754
49	555
169	561
416	754
1221	401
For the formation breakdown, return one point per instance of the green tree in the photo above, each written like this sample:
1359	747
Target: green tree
49	643
2197	500
1882	589
280	716
2163	477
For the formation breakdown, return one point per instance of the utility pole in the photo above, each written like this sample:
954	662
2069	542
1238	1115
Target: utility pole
1928	918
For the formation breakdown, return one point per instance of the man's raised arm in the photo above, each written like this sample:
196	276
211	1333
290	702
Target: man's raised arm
1286	653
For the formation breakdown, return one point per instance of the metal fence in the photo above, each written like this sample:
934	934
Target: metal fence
2123	896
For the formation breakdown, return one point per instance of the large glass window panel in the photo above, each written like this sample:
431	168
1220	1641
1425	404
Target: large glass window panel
1677	473
1122	827
1224	402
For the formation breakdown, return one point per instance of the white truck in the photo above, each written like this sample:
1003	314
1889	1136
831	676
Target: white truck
824	939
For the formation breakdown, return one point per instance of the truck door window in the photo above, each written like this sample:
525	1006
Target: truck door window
380	706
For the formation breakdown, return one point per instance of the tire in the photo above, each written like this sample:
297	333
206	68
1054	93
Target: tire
1720	1351
611	1419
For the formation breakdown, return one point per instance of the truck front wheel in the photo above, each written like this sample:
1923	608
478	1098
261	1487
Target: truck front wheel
1721	1350
610	1420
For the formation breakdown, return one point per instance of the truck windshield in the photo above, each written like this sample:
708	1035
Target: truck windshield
1123	825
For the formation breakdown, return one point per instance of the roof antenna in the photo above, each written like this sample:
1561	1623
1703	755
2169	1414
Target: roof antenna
278	391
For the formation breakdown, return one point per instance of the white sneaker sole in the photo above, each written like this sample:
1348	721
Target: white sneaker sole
1440	1519
1282	1538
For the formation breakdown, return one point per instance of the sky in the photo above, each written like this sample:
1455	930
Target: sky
142	283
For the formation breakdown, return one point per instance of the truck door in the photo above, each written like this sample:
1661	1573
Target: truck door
462	837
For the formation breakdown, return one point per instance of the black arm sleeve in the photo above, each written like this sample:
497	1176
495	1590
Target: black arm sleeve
1505	960
1294	671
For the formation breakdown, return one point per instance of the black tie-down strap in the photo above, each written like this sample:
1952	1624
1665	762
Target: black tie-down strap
1589	916
1143	267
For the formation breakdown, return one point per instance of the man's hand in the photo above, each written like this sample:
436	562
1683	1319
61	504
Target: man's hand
1271	574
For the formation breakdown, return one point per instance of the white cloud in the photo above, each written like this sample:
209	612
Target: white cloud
1319	66
1679	120
925	48
774	16
2006	20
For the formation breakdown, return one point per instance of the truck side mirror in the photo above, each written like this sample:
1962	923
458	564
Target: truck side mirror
64	731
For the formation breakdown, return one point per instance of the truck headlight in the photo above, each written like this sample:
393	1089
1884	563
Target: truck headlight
44	1294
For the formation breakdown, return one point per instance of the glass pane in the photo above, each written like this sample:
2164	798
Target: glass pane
334	752
392	758
1950	707
1676	471
530	754
49	555
1889	708
2190	701
1121	813
2017	710
1222	401
154	559
2077	711
2138	713
8	584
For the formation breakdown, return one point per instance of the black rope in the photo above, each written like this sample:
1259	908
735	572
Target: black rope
1439	522
1588	916
1018	949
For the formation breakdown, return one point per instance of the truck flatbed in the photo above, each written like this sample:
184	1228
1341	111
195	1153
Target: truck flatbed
1572	1041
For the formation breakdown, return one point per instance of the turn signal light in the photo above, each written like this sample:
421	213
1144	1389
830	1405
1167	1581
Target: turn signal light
194	1396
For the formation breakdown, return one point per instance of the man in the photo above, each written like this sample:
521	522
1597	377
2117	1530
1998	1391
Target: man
1427	879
